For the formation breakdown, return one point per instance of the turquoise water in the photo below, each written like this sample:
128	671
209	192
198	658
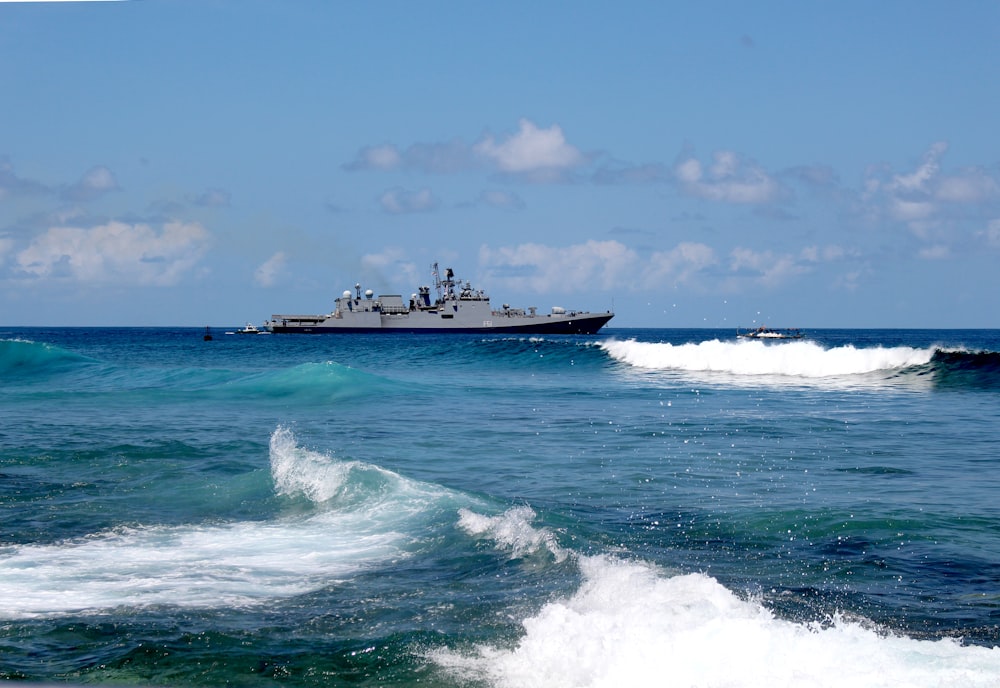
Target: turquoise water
641	507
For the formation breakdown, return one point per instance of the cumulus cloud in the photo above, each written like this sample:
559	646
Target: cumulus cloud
910	197
384	157
400	201
611	265
268	271
925	198
766	267
531	150
594	264
972	185
729	179
772	269
95	182
677	266
541	268
926	172
115	252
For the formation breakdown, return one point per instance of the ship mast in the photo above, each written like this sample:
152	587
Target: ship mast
445	287
437	280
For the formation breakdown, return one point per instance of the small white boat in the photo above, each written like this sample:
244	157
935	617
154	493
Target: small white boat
250	328
769	333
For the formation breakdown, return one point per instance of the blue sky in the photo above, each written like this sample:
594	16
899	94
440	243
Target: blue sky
709	164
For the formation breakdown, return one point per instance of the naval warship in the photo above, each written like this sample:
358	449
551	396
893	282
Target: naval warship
457	308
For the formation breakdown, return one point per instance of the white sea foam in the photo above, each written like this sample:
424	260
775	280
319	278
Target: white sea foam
802	359
235	564
512	531
631	624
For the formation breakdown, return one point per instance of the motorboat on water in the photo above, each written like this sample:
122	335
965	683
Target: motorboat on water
249	328
770	333
453	308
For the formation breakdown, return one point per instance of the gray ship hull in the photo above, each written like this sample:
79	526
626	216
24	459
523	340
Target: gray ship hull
588	323
457	309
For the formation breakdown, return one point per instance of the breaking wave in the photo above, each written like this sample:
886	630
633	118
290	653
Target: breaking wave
21	359
358	517
630	623
803	359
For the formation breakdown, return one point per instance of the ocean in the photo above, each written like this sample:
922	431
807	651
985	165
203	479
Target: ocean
662	507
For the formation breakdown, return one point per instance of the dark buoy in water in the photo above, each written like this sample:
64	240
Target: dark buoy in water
208	334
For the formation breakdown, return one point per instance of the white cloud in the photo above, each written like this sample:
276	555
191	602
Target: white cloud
384	157
531	149
970	186
729	179
266	274
688	171
606	265
541	268
919	179
768	268
676	266
927	200
116	252
95	182
401	201
910	210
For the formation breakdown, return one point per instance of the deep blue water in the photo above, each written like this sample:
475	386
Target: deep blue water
641	507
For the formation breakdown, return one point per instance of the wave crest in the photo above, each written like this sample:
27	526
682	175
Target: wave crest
801	359
22	358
